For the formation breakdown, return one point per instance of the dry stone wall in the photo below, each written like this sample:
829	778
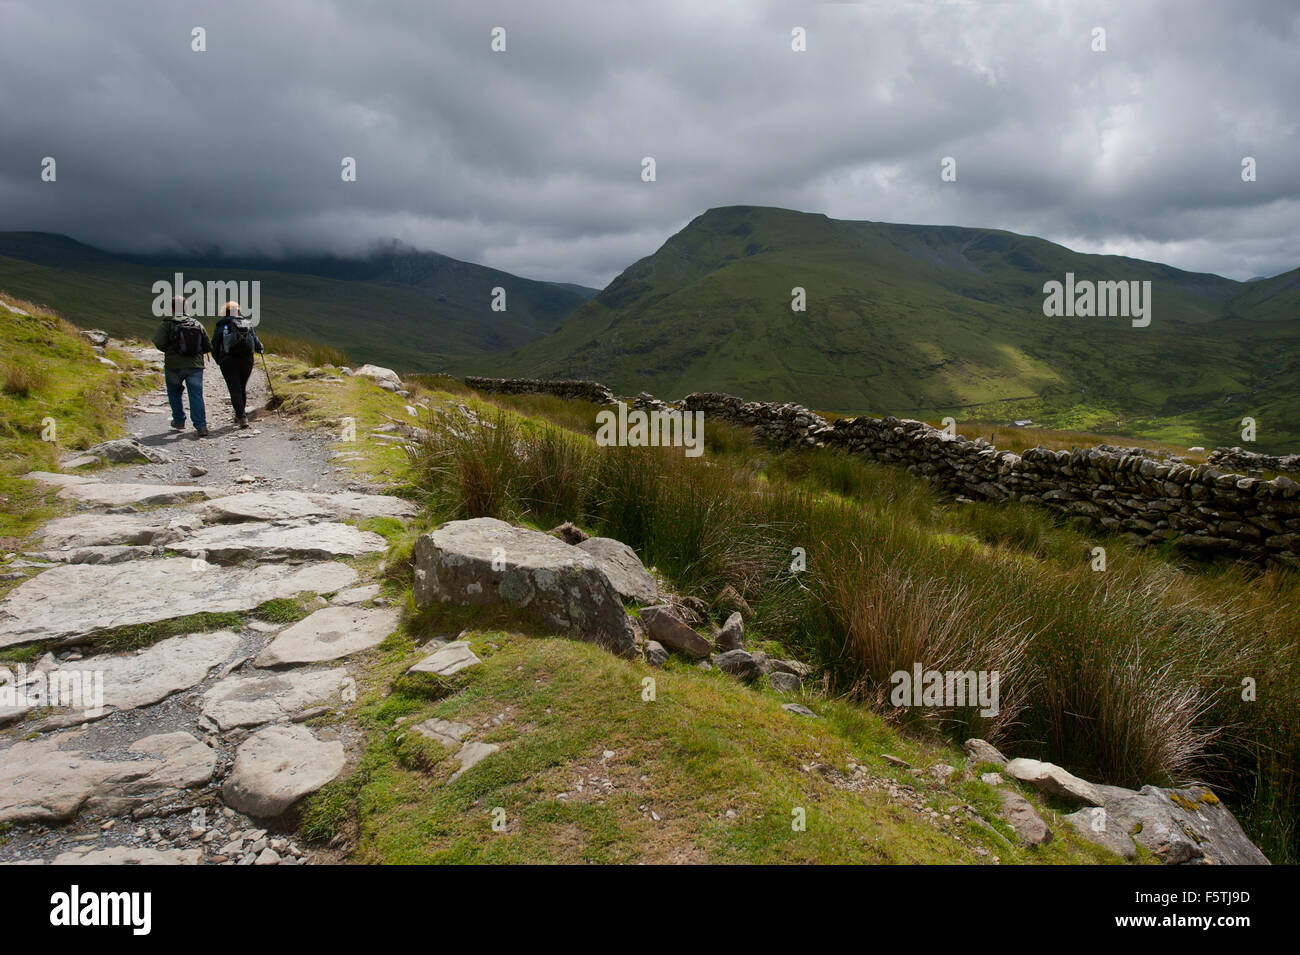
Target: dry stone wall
583	390
1202	508
1248	462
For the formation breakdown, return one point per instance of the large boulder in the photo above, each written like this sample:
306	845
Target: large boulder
1175	825
385	378
1179	825
486	561
623	568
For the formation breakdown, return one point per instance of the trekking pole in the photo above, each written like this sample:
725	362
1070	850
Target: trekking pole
275	399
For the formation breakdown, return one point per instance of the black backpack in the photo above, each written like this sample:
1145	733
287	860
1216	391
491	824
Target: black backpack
238	339
187	337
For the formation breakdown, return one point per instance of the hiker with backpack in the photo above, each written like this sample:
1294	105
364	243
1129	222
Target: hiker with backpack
234	343
185	346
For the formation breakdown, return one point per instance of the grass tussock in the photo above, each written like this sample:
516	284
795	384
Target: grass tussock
21	380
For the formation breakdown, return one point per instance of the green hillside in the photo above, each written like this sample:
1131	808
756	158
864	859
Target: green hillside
926	321
399	307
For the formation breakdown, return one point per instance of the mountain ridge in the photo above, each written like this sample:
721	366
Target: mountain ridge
419	308
922	321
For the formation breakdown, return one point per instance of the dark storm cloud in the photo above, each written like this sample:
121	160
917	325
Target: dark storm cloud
530	160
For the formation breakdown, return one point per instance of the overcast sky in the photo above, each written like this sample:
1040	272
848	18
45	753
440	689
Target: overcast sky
530	160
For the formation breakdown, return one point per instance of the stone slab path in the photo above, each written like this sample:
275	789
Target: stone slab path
177	753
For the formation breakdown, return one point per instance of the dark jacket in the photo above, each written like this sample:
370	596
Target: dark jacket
219	337
172	361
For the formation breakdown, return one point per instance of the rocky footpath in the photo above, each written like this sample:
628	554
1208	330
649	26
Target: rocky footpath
193	748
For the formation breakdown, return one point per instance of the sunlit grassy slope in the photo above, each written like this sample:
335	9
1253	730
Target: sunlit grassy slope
55	397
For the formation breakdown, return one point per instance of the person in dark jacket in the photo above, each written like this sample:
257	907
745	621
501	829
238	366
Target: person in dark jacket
185	346
234	343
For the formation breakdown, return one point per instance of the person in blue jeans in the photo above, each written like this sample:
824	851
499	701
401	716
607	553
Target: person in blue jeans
185	346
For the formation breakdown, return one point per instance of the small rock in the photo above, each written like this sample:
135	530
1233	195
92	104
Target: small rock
740	664
784	682
1055	781
732	634
470	755
1020	814
942	771
452	658
569	532
446	732
655	654
665	627
196	471
895	761
979	751
276	766
797	708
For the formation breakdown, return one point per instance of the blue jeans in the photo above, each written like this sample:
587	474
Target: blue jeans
191	380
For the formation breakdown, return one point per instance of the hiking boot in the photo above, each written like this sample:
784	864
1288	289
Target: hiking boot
243	422
178	425
203	432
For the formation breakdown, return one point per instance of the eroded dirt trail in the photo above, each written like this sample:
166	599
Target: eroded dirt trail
273	451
